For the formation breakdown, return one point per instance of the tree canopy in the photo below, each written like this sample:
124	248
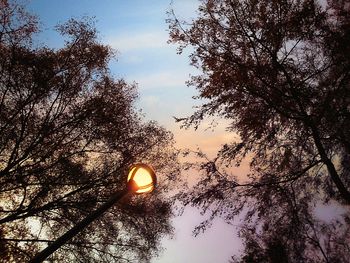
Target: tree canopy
279	72
69	132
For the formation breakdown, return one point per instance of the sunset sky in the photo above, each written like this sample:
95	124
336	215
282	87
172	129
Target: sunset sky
137	29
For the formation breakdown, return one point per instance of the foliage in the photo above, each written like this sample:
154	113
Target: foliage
68	133
279	72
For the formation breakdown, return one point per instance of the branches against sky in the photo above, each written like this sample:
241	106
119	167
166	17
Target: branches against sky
68	134
279	72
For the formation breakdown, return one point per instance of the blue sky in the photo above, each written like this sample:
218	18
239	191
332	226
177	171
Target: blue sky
137	29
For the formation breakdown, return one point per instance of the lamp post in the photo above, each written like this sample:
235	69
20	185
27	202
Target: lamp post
141	179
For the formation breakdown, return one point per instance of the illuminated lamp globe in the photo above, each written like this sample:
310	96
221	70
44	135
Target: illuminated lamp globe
141	178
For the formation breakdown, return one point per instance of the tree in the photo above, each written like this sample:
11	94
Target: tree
68	134
279	71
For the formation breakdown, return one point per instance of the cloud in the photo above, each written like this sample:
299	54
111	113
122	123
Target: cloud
163	79
139	41
150	101
133	59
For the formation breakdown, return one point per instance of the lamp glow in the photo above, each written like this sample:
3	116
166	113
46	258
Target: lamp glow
142	178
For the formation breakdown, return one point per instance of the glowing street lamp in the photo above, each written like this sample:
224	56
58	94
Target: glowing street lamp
141	179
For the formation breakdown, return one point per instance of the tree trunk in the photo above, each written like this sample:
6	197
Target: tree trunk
344	193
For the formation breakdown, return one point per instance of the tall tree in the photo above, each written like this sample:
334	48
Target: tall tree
68	134
279	71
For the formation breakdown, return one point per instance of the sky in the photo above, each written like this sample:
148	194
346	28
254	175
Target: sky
138	31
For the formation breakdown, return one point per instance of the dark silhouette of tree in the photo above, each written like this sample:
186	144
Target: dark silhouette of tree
272	252
279	72
68	134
